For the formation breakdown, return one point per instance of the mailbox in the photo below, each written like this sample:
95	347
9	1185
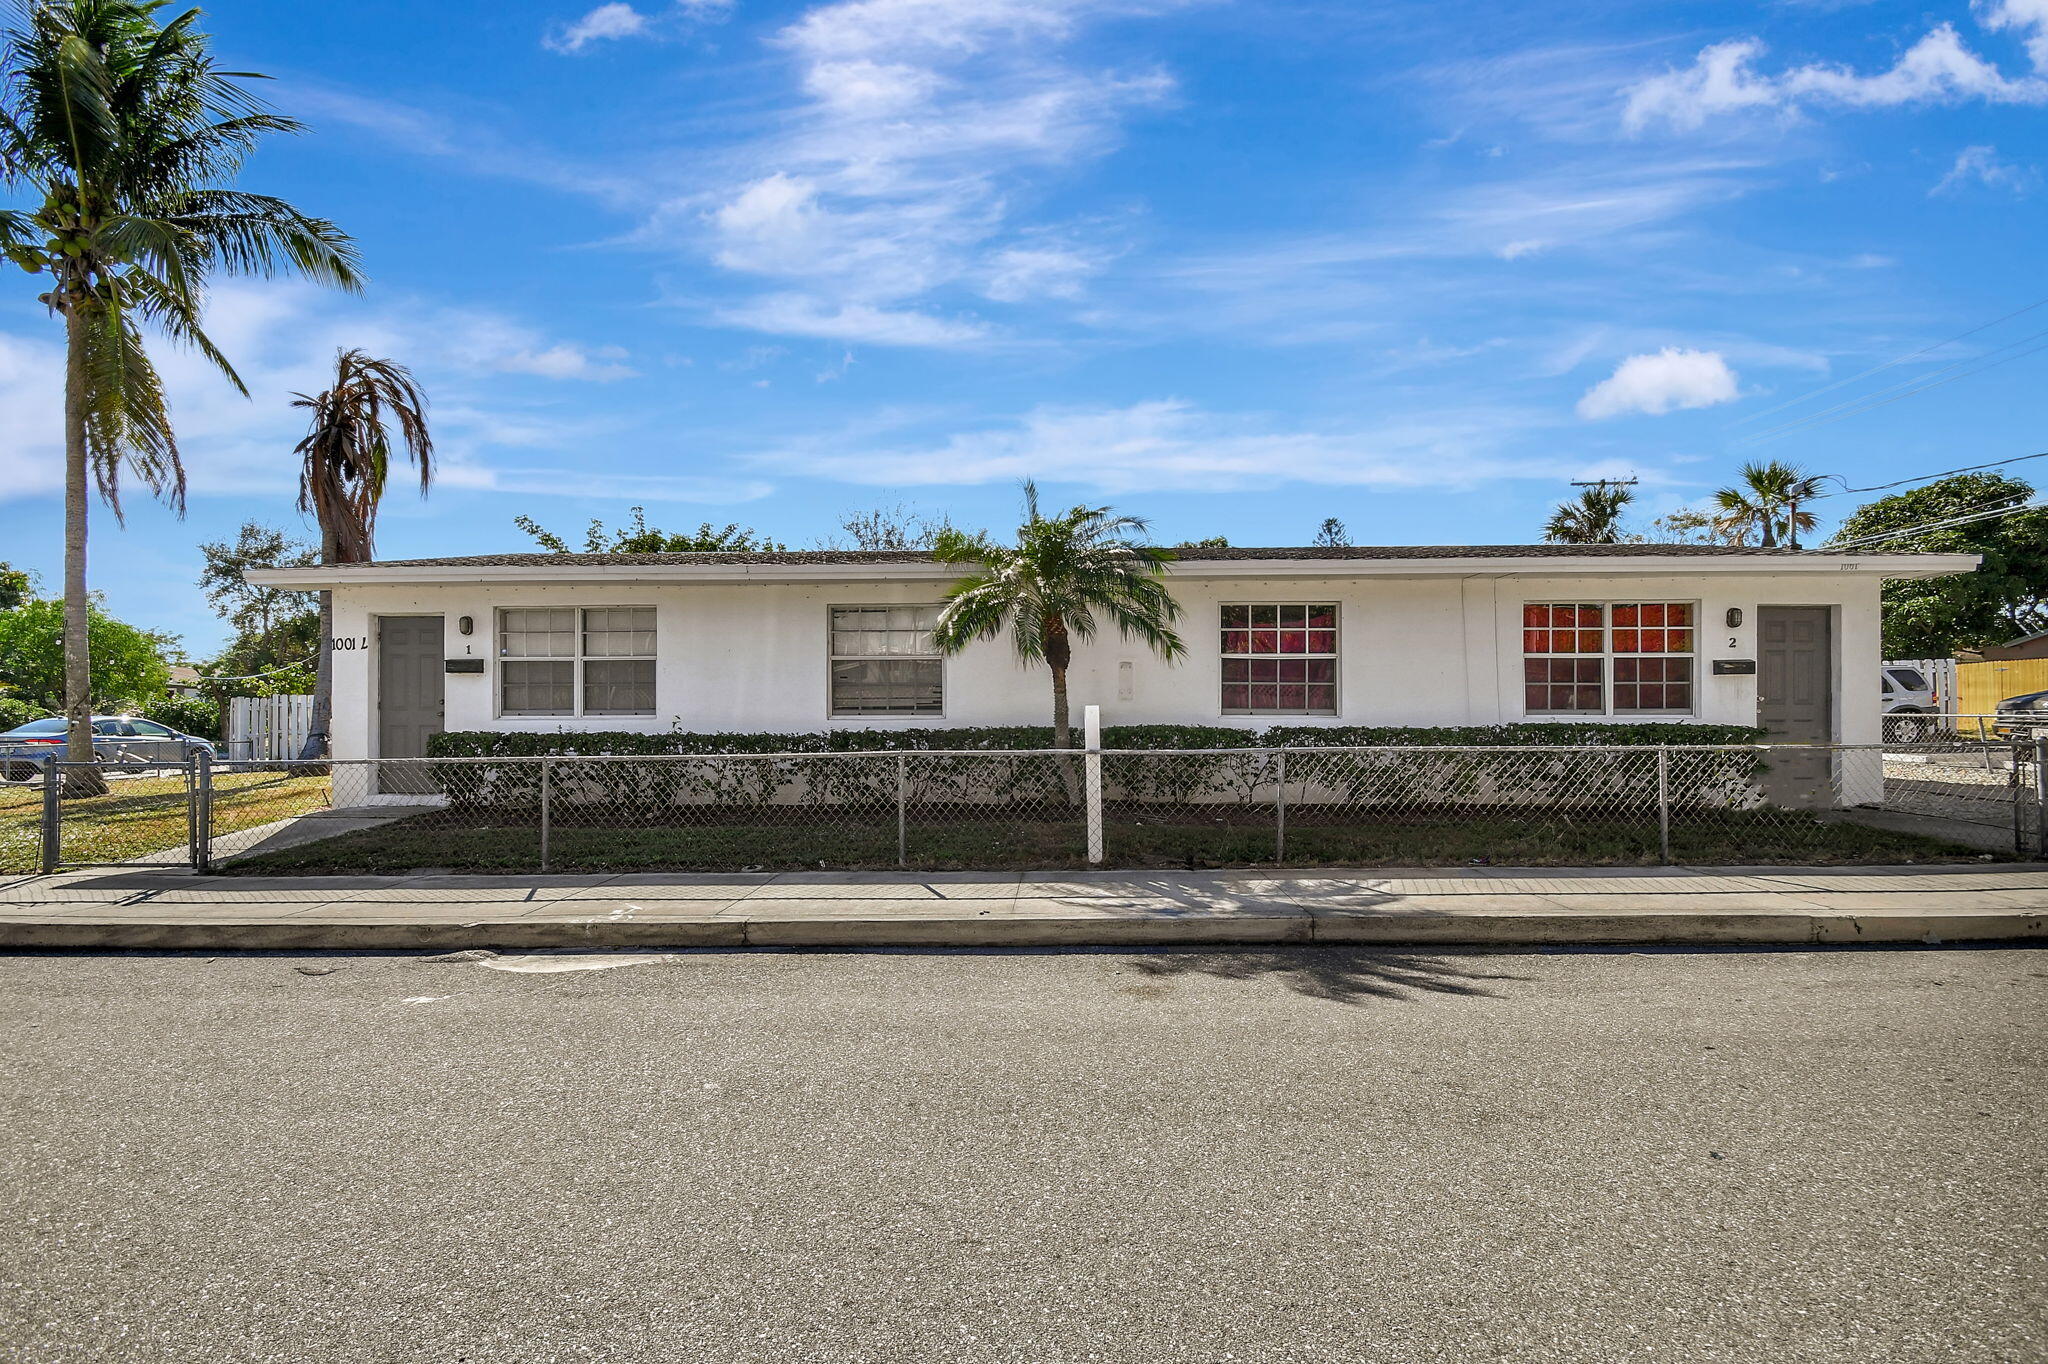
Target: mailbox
1734	667
465	665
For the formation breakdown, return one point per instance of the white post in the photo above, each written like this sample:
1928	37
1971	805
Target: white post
1091	727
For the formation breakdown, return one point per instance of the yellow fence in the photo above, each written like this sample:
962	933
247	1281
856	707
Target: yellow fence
1981	686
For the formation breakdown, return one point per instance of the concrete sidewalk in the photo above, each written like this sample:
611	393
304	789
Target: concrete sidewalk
171	910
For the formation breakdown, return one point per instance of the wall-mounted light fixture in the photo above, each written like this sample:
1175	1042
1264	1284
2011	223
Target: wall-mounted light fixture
467	624
1734	618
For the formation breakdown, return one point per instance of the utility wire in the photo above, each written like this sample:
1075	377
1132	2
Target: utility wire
1926	478
1904	389
1889	364
1935	525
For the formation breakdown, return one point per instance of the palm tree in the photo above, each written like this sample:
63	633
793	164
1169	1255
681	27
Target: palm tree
347	454
1049	586
1767	503
1593	518
130	135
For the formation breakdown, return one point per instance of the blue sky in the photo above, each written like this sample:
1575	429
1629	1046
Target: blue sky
1233	266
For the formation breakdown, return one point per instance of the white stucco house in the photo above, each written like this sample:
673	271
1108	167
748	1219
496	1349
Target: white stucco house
1397	635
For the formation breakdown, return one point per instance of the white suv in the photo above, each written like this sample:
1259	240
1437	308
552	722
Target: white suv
1908	692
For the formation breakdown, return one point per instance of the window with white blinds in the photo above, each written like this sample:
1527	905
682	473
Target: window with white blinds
884	662
565	660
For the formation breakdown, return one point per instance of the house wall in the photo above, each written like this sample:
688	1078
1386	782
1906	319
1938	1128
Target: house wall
1413	651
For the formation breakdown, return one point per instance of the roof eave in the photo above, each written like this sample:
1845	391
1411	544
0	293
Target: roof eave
1875	565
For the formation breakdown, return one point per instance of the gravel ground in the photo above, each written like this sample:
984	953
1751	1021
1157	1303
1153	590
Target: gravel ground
1305	1155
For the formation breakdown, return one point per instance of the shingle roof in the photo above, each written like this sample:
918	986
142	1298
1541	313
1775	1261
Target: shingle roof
912	556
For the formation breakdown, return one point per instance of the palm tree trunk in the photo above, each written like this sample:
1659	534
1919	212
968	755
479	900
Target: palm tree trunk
78	781
318	736
1062	725
317	742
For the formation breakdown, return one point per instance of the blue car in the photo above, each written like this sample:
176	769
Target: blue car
115	739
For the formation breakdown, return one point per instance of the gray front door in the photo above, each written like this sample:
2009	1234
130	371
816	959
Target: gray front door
409	681
1795	700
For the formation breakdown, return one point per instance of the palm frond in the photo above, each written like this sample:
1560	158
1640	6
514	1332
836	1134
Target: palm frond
346	453
128	420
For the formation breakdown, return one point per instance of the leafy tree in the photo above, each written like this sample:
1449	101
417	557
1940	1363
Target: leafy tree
1331	535
129	665
637	537
283	662
14	586
1048	587
1768	505
1690	526
1206	542
2005	598
1591	518
255	612
897	527
346	459
130	136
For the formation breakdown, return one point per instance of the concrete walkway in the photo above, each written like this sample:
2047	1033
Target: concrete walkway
165	909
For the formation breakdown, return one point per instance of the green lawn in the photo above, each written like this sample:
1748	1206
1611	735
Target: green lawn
146	814
793	838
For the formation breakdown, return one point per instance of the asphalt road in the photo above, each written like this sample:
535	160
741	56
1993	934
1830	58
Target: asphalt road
1304	1155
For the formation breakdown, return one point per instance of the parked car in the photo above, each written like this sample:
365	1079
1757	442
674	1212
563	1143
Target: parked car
1908	692
115	739
2022	714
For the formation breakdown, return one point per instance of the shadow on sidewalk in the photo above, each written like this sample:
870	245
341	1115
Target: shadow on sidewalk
1338	974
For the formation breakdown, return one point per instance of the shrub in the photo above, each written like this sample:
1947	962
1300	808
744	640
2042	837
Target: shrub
195	715
1214	766
16	711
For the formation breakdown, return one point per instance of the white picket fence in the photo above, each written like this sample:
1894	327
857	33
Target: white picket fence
267	728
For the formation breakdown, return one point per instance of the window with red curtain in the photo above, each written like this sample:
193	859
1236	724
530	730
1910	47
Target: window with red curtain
1564	665
1653	657
1280	659
1602	658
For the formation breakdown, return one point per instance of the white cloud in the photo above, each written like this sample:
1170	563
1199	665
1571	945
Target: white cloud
554	482
619	20
2029	18
603	23
801	315
1019	273
283	337
1173	445
906	164
1664	382
1723	79
1980	165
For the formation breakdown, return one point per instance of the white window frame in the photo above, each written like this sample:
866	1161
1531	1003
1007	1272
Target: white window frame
1335	656
832	657
1606	657
576	661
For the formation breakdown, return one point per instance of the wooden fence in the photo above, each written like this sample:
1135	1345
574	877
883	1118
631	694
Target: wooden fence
267	728
1981	686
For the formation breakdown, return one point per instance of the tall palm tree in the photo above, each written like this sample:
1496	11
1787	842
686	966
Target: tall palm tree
1049	586
130	136
1592	518
347	459
1767	503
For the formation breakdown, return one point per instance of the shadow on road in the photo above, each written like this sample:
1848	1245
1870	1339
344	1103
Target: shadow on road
1339	975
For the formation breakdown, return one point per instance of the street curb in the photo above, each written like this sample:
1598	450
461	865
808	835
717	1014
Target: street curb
1536	928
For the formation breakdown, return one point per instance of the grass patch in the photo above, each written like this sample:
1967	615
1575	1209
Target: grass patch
141	815
798	838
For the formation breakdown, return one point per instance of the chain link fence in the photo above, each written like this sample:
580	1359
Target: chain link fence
1945	793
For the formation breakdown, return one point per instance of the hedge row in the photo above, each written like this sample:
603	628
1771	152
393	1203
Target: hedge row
996	738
